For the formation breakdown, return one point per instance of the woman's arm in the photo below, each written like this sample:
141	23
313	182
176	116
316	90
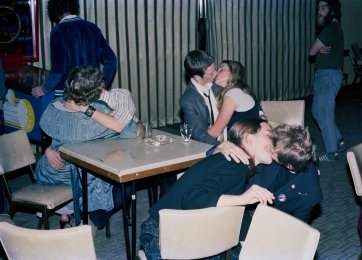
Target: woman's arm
227	110
254	194
105	120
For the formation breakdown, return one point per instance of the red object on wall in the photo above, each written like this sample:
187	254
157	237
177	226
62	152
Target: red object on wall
19	32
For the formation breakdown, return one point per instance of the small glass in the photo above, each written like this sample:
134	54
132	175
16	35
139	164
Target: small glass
186	132
146	131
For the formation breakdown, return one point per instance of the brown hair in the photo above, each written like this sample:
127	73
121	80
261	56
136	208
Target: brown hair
237	80
294	145
84	85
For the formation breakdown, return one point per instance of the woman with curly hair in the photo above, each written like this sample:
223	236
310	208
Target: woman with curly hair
236	101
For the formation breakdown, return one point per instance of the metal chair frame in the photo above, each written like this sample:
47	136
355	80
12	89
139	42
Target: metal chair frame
16	144
356	63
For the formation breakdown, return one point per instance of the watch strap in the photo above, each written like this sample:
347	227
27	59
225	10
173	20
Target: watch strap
90	111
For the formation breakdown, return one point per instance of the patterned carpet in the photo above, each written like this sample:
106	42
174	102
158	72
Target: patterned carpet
339	210
336	218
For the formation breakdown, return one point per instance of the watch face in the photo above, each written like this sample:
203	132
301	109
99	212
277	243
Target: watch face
89	112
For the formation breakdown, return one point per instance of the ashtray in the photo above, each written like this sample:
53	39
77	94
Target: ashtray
159	140
163	139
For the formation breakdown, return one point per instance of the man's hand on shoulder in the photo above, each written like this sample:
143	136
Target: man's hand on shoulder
232	152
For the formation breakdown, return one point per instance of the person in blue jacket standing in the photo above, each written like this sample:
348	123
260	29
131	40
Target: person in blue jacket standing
74	42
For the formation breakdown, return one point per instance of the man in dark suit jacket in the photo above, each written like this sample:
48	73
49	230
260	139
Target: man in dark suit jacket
195	102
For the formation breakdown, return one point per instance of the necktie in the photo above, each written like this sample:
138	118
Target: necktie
211	111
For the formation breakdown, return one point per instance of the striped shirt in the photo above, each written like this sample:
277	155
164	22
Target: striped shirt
120	100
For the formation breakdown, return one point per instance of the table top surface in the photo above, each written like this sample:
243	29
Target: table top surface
129	156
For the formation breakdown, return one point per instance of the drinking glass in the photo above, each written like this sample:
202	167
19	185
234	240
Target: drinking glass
146	131
186	132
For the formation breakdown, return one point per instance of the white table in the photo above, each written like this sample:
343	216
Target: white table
127	160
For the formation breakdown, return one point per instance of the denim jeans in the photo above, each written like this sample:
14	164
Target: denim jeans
327	83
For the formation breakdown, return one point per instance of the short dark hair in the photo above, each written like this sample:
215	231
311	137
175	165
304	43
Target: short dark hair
84	85
196	63
57	8
294	145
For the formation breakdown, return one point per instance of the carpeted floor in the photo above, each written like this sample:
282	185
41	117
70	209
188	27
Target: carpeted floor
336	218
339	210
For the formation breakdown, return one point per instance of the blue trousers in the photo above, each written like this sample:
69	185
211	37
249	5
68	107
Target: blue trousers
327	83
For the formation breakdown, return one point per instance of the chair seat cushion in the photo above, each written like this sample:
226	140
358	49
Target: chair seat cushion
6	218
49	195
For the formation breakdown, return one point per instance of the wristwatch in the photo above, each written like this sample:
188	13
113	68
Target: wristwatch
90	111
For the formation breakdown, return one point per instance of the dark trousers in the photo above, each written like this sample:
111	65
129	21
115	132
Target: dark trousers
101	217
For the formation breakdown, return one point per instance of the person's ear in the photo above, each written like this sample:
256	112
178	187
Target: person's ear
247	139
289	167
197	78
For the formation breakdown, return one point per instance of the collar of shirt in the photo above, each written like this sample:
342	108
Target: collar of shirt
105	96
208	91
71	16
202	88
